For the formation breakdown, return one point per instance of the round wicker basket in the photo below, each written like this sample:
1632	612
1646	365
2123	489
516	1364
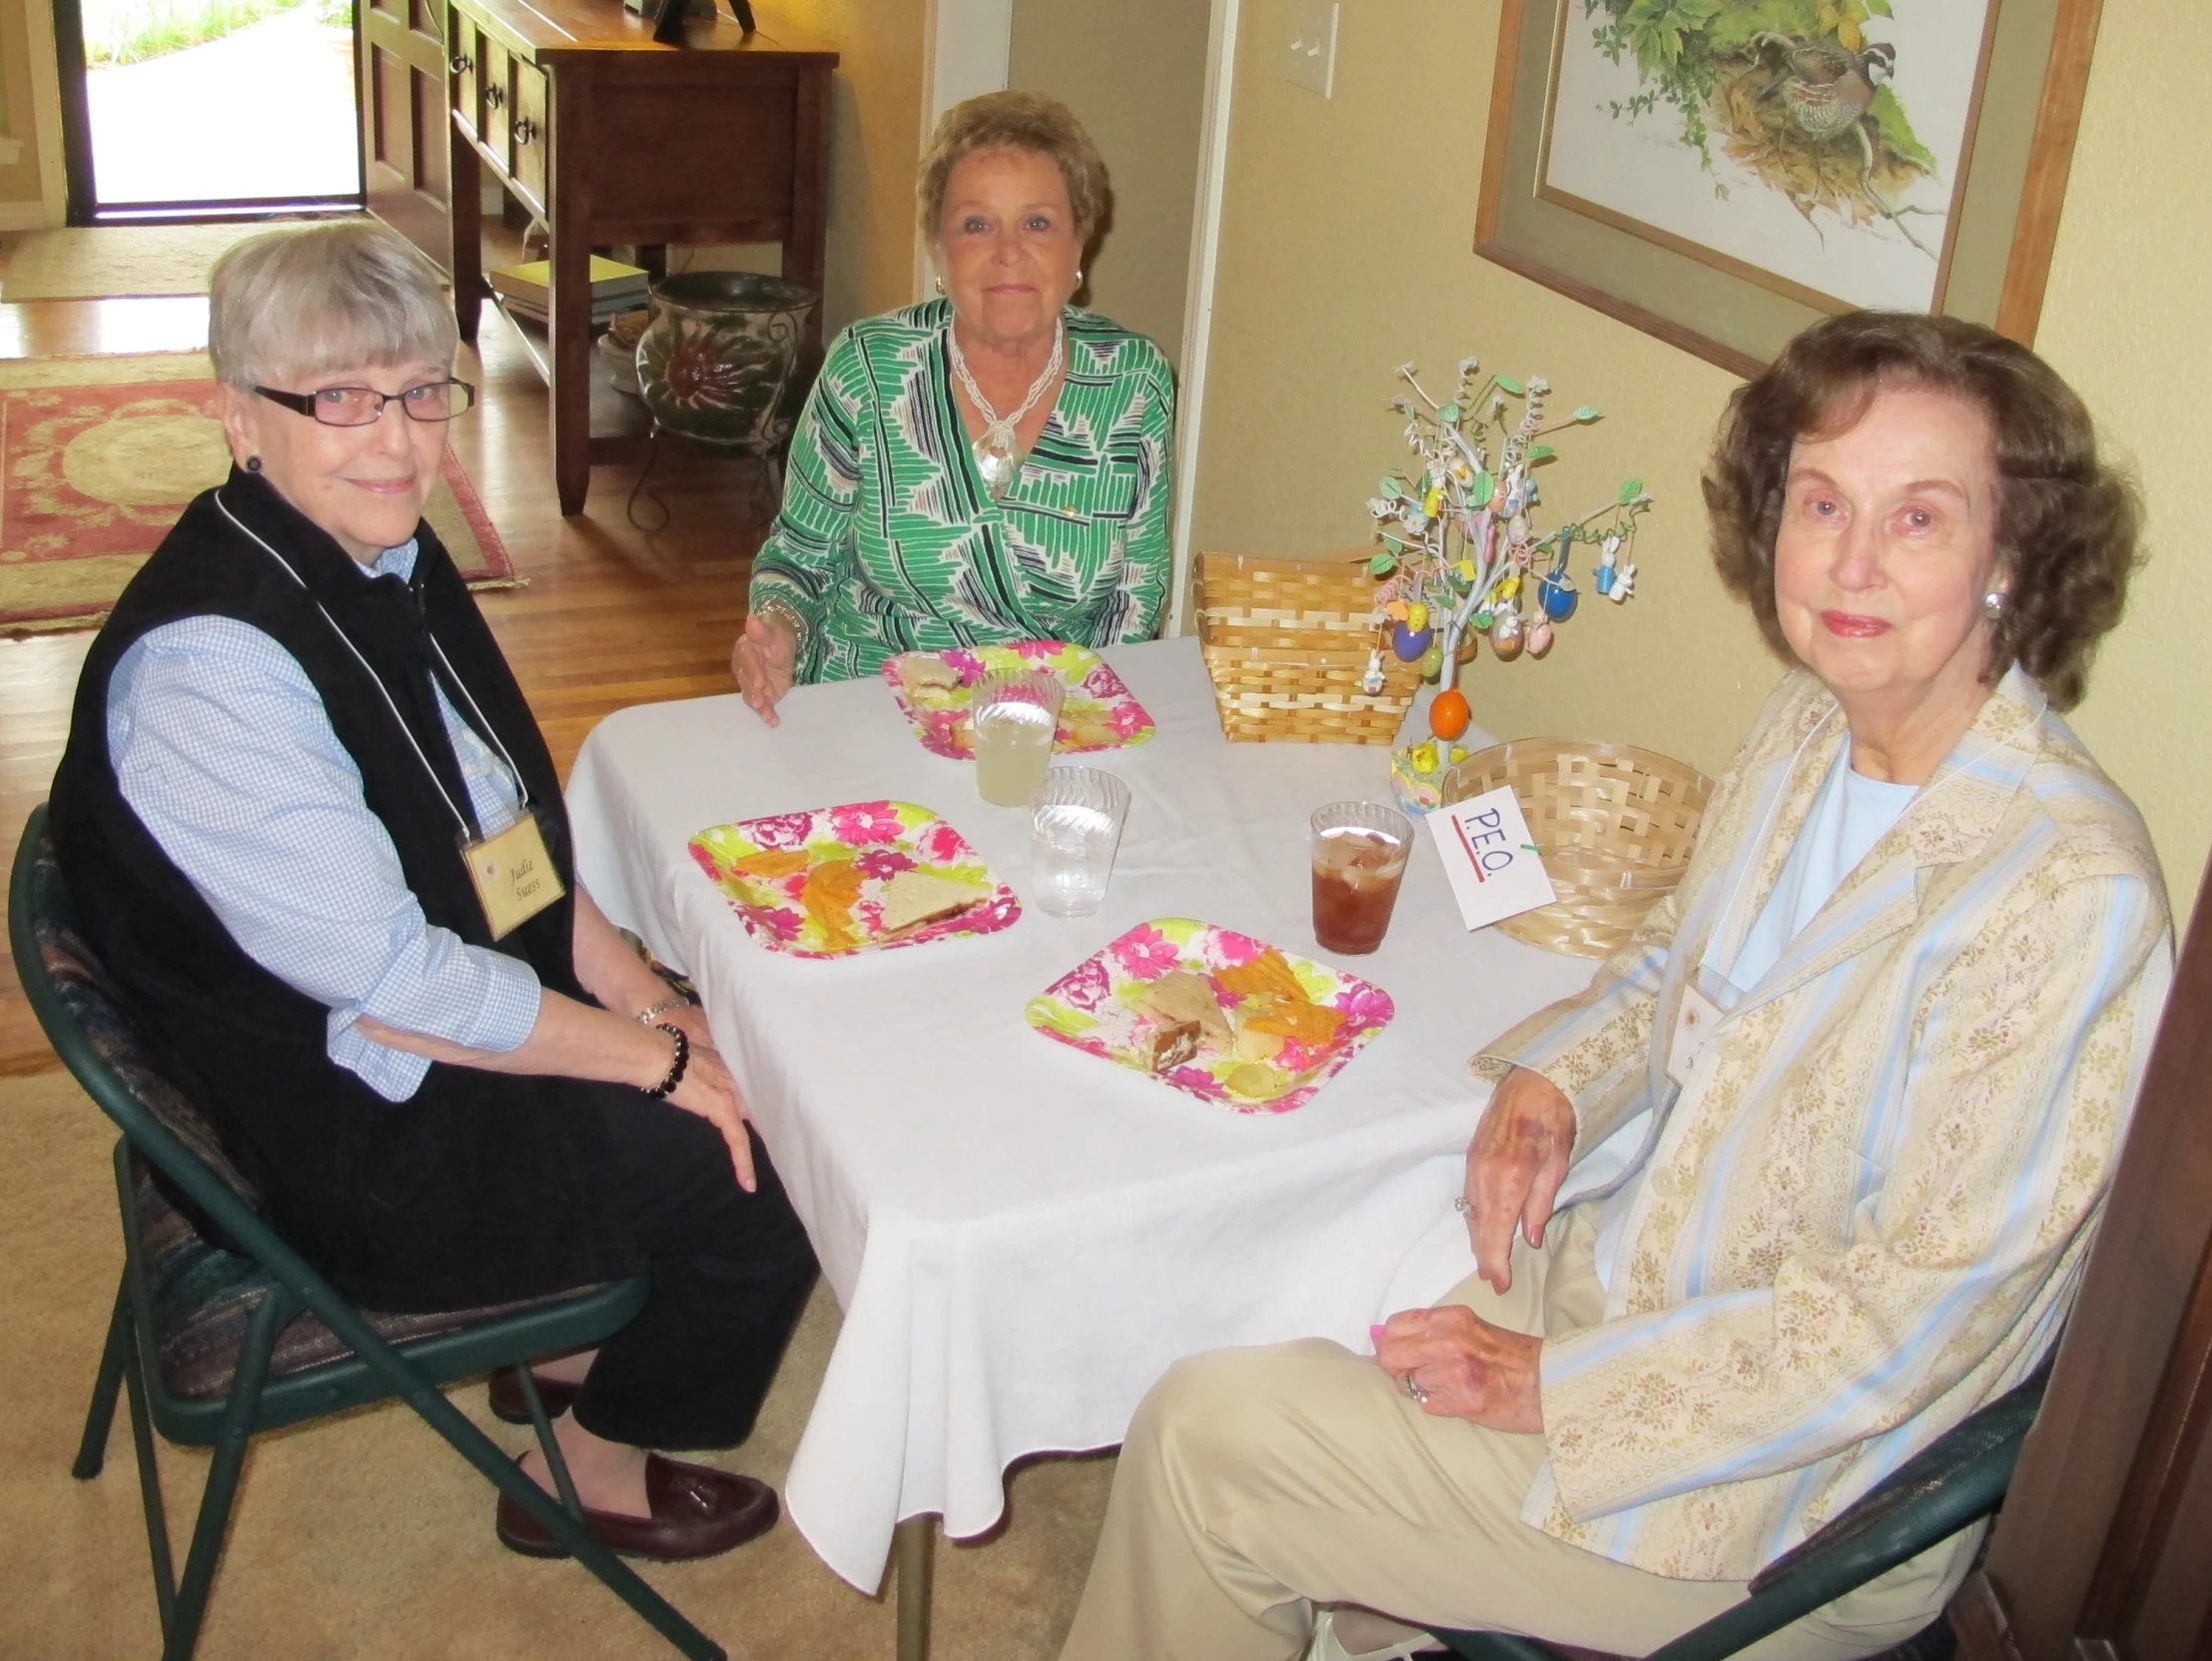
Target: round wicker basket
1615	825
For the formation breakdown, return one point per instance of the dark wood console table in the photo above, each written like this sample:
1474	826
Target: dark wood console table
611	138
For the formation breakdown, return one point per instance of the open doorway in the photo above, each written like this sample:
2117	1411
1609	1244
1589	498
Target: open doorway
201	109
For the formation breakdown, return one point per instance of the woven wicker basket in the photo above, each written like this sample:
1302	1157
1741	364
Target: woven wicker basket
1615	825
1287	643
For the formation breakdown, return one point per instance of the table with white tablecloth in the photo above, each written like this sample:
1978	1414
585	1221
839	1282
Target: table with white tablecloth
1022	1236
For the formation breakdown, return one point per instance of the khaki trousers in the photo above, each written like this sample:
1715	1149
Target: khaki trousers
1256	1483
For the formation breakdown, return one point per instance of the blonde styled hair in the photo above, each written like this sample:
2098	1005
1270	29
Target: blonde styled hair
303	302
1025	121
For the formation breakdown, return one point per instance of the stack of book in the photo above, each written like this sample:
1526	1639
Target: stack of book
615	289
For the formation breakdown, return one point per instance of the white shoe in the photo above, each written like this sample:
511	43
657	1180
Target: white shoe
1329	1647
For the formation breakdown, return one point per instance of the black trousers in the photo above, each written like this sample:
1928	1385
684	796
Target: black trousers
730	1271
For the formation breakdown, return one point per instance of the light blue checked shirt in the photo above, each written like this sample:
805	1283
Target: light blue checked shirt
220	745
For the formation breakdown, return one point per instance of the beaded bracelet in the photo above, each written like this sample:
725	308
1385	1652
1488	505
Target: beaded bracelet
676	1071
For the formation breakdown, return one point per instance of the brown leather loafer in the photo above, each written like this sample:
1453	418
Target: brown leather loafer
698	1512
506	1397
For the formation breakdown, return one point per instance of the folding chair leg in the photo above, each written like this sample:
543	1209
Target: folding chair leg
276	1308
555	1460
91	1451
149	1485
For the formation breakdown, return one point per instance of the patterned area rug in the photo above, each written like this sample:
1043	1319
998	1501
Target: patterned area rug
108	262
98	456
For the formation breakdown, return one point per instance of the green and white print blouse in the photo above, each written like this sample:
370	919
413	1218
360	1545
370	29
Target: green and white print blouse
889	541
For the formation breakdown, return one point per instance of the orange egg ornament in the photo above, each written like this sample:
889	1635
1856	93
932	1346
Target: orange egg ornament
1449	714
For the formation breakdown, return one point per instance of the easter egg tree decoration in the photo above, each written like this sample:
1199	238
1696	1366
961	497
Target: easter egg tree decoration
1461	556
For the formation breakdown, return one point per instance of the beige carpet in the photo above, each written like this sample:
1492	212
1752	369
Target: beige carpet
367	1537
109	262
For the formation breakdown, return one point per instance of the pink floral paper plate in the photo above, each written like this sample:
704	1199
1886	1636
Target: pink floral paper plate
1098	713
813	884
1267	1069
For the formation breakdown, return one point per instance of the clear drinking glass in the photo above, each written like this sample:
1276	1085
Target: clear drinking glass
1359	854
1075	828
1013	718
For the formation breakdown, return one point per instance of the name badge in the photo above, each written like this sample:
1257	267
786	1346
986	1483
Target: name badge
1694	1024
513	874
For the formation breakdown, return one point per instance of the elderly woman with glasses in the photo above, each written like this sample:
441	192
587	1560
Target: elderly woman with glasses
318	841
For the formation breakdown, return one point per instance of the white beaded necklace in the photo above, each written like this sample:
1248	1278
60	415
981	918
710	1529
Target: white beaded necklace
995	457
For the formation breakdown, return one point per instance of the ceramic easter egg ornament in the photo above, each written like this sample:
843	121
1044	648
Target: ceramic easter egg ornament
1559	596
1410	642
1449	714
1432	663
1540	637
1416	616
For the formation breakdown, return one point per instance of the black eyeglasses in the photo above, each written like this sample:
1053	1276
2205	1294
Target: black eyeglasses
436	400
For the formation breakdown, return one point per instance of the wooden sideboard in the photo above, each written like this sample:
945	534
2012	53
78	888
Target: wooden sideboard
611	138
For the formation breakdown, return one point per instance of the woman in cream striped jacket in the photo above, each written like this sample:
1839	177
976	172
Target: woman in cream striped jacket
1810	1169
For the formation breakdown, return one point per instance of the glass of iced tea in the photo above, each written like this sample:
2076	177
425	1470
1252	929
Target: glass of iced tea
1359	854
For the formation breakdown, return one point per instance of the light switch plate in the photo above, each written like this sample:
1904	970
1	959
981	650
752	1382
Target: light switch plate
1312	60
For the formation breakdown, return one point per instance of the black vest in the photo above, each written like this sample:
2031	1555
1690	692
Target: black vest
480	1187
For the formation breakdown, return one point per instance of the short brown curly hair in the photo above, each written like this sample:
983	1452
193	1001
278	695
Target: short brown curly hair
2066	524
1025	121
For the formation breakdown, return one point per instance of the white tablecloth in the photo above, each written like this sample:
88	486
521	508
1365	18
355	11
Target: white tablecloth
1022	1236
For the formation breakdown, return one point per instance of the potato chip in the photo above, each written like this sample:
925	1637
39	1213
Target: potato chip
1310	1024
1267	976
832	888
774	864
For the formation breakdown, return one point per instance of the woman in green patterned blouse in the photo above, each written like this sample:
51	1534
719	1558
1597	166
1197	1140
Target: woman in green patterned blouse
987	467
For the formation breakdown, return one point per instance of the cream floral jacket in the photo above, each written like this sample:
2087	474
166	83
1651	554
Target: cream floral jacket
1867	1206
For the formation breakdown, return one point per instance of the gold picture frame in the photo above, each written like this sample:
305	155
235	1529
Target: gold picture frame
2013	152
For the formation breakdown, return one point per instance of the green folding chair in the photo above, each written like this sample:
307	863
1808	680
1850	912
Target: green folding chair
1958	1478
215	1345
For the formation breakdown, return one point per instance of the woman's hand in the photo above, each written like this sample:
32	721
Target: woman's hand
763	660
1464	1368
1515	1164
579	1041
708	1091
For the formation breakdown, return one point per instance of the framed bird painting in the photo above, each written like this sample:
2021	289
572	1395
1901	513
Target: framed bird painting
1722	173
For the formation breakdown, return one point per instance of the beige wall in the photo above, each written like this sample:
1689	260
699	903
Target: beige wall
1346	250
875	145
1135	74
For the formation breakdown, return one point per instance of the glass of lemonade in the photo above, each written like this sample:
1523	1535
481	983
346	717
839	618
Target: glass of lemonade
1075	828
1013	718
1359	855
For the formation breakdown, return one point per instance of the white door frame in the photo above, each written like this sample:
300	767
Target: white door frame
971	46
971	43
1197	305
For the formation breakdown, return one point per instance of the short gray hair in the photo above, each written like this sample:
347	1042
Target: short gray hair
301	302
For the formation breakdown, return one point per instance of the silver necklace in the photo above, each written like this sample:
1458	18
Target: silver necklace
995	457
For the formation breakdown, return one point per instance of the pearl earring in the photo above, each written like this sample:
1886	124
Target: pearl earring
1992	603
939	281
252	463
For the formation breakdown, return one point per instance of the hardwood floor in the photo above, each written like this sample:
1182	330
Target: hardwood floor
612	616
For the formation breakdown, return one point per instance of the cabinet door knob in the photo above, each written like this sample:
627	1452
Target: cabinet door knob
462	63
495	96
524	128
